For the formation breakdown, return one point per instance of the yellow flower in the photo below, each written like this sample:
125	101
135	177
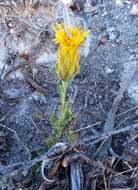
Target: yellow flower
69	39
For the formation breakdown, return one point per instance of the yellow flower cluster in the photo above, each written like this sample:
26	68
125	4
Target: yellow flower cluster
69	39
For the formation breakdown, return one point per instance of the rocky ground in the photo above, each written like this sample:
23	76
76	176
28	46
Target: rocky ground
28	86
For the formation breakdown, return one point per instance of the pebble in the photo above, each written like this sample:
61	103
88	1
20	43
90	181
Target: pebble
108	70
136	112
88	7
110	29
104	13
16	75
66	2
120	2
134	10
117	41
113	45
112	36
47	57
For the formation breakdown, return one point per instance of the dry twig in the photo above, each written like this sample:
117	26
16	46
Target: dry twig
109	123
107	135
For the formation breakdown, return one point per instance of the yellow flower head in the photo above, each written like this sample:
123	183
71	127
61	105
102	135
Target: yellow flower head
69	39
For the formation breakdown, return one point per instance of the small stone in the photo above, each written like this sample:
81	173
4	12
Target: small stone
108	70
117	40
110	29
2	134
120	2
88	7
112	36
136	112
47	58
12	31
113	45
134	10
16	75
10	25
104	13
66	2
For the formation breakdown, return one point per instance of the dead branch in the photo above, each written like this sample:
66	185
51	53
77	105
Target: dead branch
36	85
24	166
87	127
76	176
98	138
109	123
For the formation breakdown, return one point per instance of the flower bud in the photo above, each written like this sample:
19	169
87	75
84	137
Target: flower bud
69	40
68	63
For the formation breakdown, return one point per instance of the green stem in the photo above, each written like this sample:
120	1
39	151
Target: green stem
64	87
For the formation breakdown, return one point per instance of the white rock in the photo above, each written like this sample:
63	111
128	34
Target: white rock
112	36
46	58
136	112
19	46
17	75
85	50
134	10
88	7
110	29
108	70
66	2
119	2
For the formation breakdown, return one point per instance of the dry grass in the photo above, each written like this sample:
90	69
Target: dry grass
23	9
